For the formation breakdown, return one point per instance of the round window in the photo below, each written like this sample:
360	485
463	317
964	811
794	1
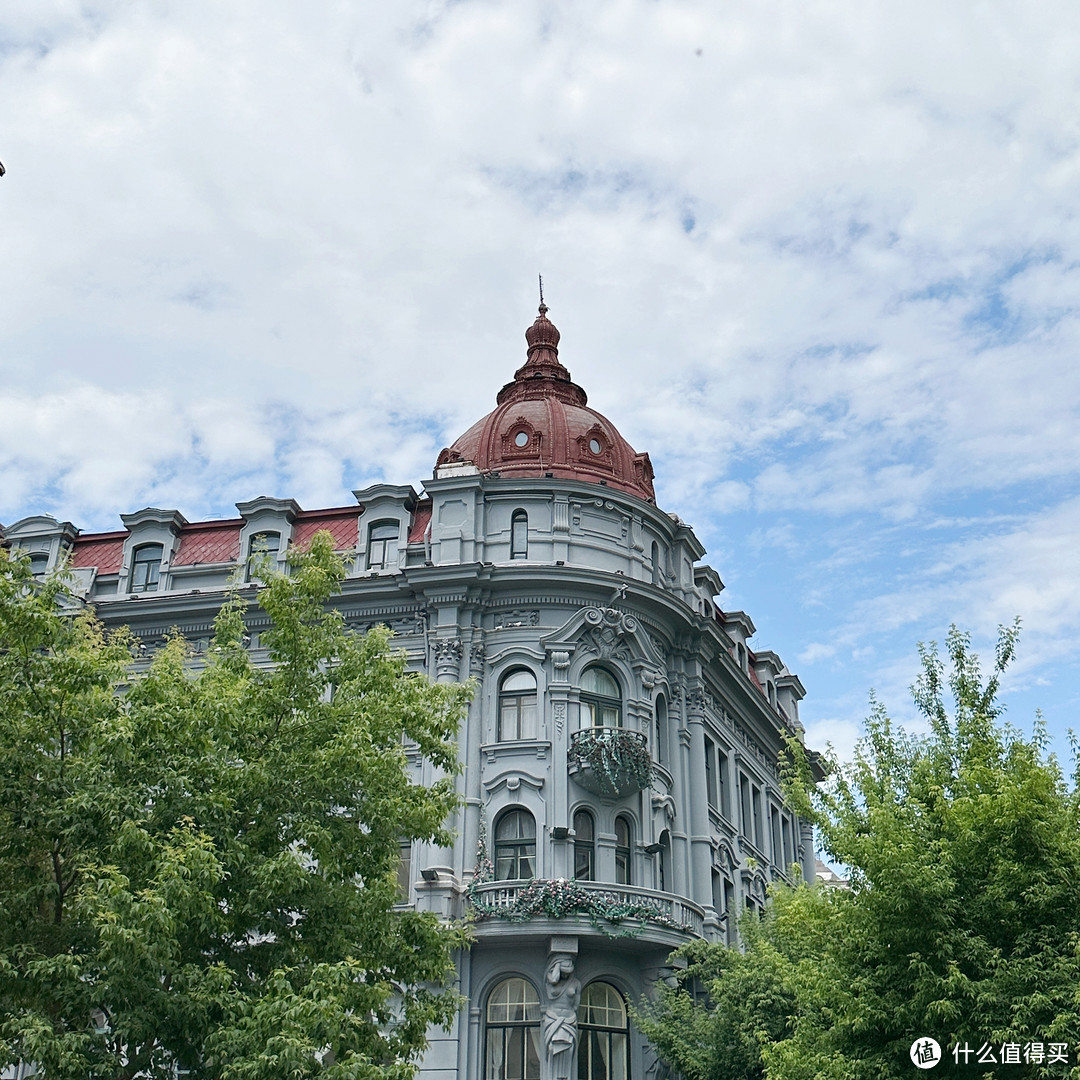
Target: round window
521	438
594	445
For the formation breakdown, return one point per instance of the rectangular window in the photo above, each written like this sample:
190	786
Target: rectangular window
382	545
710	776
725	794
774	829
146	568
404	871
519	535
744	805
759	839
789	855
729	909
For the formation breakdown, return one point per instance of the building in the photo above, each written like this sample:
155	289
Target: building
620	757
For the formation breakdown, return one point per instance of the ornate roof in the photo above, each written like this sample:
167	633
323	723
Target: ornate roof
542	426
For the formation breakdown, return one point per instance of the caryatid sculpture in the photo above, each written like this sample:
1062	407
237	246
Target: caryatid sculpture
562	993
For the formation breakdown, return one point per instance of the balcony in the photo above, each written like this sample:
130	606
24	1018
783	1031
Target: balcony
605	906
610	762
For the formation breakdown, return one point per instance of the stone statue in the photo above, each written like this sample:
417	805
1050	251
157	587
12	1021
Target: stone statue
562	994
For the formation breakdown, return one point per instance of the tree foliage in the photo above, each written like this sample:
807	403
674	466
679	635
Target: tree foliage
199	867
962	920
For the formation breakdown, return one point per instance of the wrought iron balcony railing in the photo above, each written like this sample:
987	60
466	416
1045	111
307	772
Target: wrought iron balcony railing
605	905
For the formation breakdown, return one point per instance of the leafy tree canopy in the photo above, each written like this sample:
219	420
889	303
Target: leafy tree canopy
199	867
962	921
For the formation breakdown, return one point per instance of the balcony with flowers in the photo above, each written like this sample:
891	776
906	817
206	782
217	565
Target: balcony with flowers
613	910
610	761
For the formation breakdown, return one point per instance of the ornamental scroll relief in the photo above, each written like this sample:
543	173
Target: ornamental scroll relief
606	633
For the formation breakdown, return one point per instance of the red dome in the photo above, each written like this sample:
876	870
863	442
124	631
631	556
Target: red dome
542	426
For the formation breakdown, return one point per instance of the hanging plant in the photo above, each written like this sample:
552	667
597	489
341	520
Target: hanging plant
618	759
484	870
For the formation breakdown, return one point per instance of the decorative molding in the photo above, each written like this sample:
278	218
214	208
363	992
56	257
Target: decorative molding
512	781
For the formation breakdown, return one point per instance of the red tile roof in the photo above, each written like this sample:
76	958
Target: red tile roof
421	520
103	550
342	522
209	542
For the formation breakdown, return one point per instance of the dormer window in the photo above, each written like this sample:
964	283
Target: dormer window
264	544
146	568
382	544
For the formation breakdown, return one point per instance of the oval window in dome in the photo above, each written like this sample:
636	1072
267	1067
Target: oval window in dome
521	438
594	446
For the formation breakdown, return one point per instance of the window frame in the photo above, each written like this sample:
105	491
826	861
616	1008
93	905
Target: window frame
597	704
152	578
255	552
594	1033
528	1025
383	563
518	700
624	851
585	845
519	534
519	850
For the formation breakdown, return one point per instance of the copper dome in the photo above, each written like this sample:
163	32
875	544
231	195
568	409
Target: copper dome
542	426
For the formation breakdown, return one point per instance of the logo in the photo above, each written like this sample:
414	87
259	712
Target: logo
925	1053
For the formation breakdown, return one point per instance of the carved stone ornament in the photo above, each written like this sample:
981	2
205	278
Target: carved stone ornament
558	711
560	661
477	656
608	628
448	655
562	992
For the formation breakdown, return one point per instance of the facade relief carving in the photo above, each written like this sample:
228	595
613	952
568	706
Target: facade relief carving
506	620
607	631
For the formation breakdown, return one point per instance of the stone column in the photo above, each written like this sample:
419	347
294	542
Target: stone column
700	831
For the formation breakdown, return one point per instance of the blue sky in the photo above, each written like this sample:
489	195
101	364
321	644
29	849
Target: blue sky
821	260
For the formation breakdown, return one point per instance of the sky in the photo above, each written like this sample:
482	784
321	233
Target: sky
821	260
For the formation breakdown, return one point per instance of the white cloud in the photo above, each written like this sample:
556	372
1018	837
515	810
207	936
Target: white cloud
820	261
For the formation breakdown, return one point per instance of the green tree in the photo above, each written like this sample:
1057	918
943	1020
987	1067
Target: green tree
962	921
199	867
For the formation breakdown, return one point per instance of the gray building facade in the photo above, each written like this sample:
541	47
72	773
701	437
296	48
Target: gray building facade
620	784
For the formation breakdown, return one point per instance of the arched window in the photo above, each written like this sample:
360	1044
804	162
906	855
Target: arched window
519	535
39	563
655	563
661	730
603	1051
663	862
262	545
515	846
601	700
622	851
584	846
146	568
512	1047
517	706
382	545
